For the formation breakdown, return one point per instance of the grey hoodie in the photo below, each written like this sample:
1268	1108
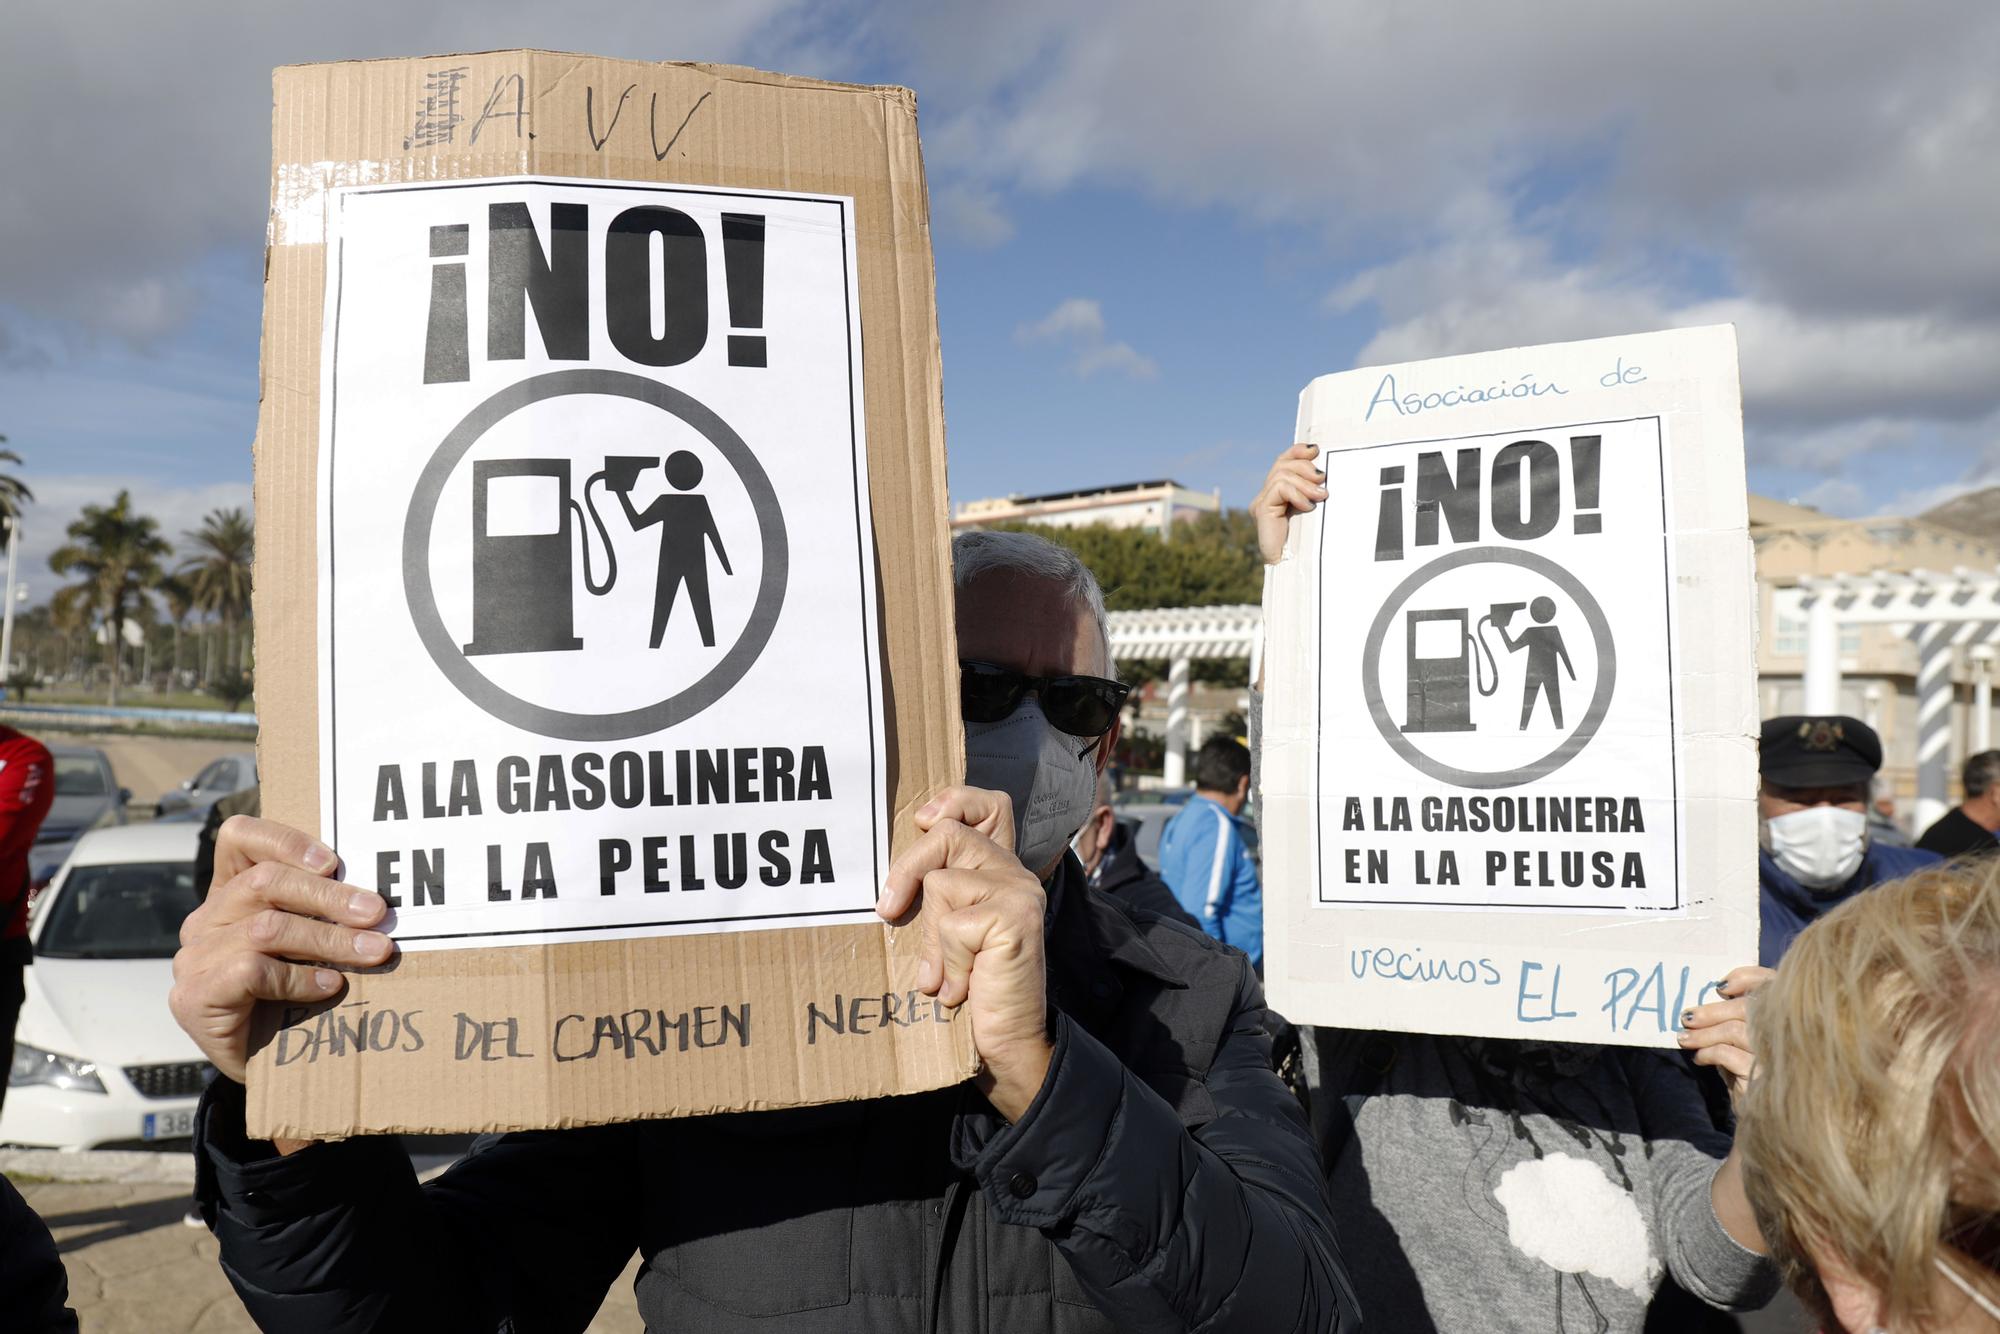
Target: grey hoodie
1486	1185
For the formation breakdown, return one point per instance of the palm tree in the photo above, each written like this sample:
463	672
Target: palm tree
218	575
180	601
13	491
118	554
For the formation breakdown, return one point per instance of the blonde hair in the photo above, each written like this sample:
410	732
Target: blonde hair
1876	1106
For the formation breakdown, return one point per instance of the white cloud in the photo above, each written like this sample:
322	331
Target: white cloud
1493	289
1497	176
1078	325
1504	177
972	214
154	142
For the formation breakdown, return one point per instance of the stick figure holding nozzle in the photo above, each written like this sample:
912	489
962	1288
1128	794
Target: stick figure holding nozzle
1545	647
687	527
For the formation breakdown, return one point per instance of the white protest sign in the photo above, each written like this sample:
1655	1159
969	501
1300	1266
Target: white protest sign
598	649
1510	731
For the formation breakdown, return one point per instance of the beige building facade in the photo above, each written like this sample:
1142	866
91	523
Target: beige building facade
1878	665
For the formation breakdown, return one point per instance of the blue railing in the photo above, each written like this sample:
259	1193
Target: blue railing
203	717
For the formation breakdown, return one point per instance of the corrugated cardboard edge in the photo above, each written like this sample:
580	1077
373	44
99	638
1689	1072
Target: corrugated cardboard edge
343	124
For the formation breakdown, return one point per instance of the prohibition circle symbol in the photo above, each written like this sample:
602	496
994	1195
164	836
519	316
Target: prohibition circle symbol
511	708
1567	749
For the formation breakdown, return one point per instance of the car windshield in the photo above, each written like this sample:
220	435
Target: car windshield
80	776
129	911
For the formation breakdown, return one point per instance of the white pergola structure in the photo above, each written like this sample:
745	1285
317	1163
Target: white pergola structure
1939	613
1180	635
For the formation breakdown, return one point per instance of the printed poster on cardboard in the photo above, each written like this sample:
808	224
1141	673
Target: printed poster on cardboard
598	641
1496	695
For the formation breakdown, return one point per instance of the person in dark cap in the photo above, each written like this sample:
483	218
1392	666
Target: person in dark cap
1812	807
1967	829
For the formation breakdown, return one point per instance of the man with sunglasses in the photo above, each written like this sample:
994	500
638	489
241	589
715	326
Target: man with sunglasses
1124	1160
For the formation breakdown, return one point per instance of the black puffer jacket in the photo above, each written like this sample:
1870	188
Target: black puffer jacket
1163	1180
34	1290
1123	874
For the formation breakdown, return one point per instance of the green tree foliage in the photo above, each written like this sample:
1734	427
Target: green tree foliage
218	574
1211	561
232	687
117	553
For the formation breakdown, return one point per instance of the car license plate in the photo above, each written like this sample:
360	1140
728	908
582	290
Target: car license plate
168	1125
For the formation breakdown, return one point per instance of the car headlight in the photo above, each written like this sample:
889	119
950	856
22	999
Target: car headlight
32	1065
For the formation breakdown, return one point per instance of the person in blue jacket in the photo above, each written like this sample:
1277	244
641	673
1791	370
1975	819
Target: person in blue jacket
1204	858
1812	807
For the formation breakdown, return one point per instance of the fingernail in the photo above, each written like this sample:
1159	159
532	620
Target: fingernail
1312	449
363	904
1687	1018
321	858
929	808
1720	983
927	974
326	979
371	944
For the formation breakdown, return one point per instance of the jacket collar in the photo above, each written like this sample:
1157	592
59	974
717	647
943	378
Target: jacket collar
1806	904
1088	929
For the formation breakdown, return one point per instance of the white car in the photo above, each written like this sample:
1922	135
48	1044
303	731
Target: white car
98	1061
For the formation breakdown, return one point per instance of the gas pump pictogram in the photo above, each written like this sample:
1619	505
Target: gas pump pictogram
546	621
1443	669
523	582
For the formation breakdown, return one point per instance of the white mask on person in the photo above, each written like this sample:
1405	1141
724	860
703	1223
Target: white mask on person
1052	786
1820	846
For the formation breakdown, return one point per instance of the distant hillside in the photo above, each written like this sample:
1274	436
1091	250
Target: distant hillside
1976	514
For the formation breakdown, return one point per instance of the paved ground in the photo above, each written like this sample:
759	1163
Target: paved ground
150	765
135	1268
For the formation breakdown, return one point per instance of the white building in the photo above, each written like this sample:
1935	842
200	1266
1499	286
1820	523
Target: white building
1155	506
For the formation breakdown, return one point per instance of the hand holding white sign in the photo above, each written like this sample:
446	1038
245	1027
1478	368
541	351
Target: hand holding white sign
1293	486
982	914
1718	1033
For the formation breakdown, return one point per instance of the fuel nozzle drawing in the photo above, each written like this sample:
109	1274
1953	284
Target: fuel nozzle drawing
523	524
1444	663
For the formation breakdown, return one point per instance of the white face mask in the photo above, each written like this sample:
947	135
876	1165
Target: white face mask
1820	846
1052	786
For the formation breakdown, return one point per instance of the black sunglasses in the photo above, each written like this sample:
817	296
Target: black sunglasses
1083	706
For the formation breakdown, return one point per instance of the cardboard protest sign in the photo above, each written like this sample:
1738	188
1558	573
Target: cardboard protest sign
604	594
1510	760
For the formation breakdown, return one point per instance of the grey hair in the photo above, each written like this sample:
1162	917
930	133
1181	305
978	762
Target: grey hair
978	553
1982	771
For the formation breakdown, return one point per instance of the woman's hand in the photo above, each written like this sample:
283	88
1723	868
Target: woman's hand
1293	486
1718	1033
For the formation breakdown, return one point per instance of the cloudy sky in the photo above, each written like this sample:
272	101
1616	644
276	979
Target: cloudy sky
1155	221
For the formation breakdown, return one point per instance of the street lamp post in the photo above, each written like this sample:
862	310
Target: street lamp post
7	617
